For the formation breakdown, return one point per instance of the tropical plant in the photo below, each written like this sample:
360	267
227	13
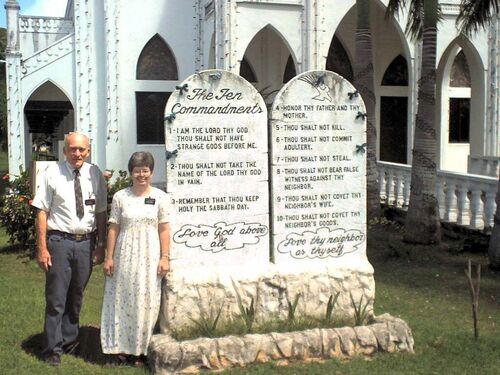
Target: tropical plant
330	306
292	306
360	310
207	321
476	14
422	221
247	314
17	214
364	83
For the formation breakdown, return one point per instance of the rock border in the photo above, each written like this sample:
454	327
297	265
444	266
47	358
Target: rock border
386	334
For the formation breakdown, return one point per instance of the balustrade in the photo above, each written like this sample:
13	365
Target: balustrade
465	199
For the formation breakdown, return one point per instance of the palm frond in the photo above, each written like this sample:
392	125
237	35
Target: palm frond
394	6
415	22
476	14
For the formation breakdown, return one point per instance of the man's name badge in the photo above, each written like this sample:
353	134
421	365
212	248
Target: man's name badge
149	201
89	202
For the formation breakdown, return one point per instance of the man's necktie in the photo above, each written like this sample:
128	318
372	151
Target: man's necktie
78	195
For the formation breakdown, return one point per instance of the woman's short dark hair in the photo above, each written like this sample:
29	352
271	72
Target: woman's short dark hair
141	159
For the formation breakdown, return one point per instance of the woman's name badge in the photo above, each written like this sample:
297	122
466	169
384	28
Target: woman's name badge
151	201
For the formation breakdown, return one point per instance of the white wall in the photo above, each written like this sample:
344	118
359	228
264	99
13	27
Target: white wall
174	22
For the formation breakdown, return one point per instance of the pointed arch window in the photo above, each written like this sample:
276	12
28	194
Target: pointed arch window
397	73
338	60
49	115
460	102
156	61
460	73
290	71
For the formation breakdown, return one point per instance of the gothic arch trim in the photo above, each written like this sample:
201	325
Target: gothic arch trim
478	96
347	70
278	33
37	87
247	71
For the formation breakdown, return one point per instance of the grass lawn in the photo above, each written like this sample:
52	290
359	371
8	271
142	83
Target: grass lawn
425	286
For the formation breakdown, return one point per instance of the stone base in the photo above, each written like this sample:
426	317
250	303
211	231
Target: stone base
185	299
387	334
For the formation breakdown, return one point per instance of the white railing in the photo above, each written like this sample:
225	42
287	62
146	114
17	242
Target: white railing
465	199
48	25
48	55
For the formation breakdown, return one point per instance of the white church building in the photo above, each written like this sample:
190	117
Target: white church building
108	67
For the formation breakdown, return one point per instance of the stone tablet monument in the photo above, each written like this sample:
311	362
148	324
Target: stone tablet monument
319	173
217	176
268	220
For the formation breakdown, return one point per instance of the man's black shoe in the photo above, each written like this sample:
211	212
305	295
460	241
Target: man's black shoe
53	359
71	348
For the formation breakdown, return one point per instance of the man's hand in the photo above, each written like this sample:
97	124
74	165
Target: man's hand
109	267
98	255
44	259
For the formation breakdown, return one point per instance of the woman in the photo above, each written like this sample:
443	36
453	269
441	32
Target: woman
137	258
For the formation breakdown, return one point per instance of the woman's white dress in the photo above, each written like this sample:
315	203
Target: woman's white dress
132	295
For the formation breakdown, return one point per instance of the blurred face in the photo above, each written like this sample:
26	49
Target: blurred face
76	149
141	176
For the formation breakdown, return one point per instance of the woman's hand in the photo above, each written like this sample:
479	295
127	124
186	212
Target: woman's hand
109	267
163	266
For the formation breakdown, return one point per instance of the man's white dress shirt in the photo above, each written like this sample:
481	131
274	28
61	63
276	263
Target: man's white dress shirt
56	196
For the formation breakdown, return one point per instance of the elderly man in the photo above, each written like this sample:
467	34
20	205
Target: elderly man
71	203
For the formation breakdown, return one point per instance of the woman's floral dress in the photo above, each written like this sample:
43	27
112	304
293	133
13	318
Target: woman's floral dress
132	295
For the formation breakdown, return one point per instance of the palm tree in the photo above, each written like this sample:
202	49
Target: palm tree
363	81
476	14
422	221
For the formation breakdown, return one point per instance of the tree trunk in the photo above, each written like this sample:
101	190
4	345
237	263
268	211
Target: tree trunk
422	222
363	81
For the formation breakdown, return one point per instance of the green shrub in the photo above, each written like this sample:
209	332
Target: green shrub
121	182
17	214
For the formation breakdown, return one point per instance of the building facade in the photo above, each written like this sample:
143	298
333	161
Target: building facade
108	67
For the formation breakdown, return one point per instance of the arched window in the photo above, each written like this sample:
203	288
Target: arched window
397	73
246	71
460	73
459	93
156	61
290	71
394	114
49	115
338	60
